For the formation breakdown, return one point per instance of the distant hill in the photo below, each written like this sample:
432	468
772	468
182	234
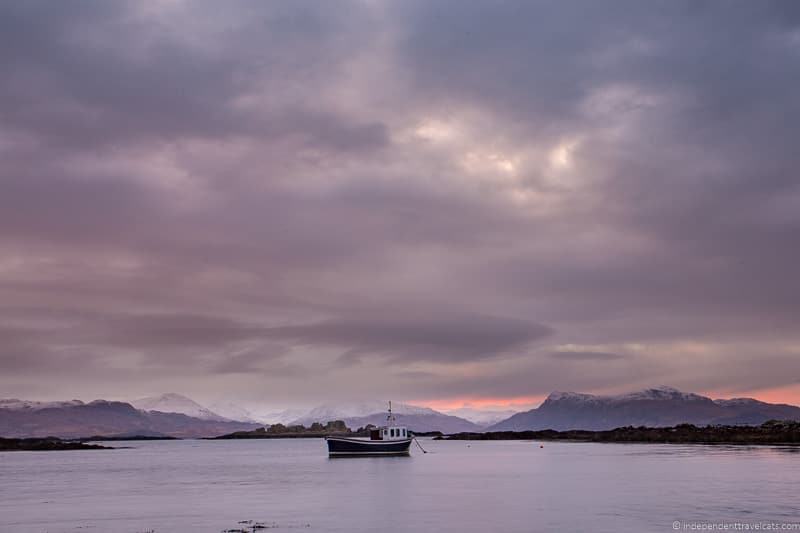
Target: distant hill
414	417
658	407
77	419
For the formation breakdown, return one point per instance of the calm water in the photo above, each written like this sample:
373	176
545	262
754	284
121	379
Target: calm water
171	486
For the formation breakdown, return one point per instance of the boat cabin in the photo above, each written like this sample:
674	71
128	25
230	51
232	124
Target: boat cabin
389	433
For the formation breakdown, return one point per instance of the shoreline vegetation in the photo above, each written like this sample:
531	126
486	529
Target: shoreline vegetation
773	432
45	445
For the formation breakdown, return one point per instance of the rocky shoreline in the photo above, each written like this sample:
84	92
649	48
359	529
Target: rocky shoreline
112	438
770	433
46	444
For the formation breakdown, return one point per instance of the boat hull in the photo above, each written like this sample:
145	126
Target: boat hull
344	447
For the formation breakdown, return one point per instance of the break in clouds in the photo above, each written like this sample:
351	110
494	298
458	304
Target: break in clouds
306	201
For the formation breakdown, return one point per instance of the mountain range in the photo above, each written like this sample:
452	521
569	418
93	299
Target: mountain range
178	416
353	414
657	407
76	419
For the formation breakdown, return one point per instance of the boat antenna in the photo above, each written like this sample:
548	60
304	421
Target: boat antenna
390	418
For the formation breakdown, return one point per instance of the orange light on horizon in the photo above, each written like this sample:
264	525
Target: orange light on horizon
483	402
789	394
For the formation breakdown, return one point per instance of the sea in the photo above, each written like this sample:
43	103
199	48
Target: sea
465	486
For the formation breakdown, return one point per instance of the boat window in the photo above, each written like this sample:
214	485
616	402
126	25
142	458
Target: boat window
392	430
404	432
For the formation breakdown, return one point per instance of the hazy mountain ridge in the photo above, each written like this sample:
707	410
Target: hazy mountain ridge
481	417
656	407
286	416
415	417
324	413
417	422
235	412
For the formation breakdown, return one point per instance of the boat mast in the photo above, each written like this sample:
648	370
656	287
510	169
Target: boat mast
390	418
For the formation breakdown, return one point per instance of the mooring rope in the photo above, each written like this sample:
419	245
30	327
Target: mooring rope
420	445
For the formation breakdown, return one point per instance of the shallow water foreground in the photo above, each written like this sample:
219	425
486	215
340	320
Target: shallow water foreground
168	486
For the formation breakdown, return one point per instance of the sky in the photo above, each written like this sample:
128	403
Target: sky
451	202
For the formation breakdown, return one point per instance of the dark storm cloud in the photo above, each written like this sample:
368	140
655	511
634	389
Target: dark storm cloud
248	190
539	59
99	73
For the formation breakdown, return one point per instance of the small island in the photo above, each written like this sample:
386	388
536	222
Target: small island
773	432
316	430
46	444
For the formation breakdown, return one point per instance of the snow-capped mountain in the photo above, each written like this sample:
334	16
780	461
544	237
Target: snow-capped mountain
655	393
176	403
415	417
656	407
324	413
480	417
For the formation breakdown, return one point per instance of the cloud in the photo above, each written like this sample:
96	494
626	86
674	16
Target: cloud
585	356
254	197
419	336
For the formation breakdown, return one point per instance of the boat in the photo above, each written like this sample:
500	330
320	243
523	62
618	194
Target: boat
390	439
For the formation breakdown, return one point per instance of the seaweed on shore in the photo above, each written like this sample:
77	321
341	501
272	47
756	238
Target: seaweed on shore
251	526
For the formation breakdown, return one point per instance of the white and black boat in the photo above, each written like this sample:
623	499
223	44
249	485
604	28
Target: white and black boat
390	439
